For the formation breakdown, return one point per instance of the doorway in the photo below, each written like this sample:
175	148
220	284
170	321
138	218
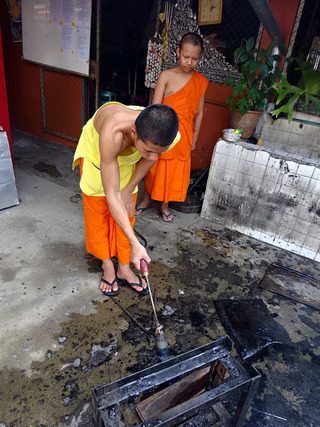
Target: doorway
125	30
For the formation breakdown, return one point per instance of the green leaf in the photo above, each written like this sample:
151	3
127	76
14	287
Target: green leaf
311	82
250	43
287	108
272	79
278	73
269	60
263	69
261	54
316	102
282	49
284	88
253	66
244	57
239	51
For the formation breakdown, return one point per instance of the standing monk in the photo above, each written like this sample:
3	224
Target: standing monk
117	147
183	89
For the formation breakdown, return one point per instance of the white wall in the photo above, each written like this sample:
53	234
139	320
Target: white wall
301	136
266	193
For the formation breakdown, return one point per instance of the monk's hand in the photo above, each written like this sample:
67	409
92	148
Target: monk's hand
193	145
138	252
127	199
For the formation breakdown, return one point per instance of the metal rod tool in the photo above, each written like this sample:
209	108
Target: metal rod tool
161	340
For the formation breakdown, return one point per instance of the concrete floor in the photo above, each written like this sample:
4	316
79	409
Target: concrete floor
54	317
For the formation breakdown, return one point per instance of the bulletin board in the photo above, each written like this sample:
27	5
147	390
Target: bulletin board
57	33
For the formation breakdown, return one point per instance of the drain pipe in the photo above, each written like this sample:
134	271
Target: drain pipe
264	13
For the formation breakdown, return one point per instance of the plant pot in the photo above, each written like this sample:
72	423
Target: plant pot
247	122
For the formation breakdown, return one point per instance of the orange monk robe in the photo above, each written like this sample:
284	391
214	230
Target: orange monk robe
104	238
169	178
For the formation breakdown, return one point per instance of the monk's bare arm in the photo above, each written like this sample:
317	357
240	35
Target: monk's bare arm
141	170
160	88
197	122
110	147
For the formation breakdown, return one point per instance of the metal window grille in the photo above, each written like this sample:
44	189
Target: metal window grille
62	100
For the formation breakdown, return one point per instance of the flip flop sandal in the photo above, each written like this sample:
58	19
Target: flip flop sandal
143	292
111	293
165	217
137	211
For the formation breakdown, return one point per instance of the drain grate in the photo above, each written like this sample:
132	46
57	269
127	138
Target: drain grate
208	384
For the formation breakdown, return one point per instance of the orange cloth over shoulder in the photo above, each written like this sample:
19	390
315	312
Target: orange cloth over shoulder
169	178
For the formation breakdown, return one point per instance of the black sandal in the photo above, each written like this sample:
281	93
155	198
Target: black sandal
111	293
143	292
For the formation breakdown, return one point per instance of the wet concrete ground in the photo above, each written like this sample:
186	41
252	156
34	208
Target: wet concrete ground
61	337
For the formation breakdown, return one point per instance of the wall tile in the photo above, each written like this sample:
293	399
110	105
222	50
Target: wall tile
292	247
301	183
248	155
269	186
314	187
275	124
280	242
258	170
316	173
283	124
274	163
219	160
295	140
305	152
297	238
232	163
286	220
221	147
313	131
267	238
307	253
272	174
217	172
234	150
267	142
305	170
317	258
229	176
245	167
302	226
254	233
312	243
241	179
284	187
262	158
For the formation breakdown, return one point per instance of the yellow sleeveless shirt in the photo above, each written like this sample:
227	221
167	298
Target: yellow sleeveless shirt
88	148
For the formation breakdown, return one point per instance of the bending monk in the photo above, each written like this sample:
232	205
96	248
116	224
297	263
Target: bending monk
117	147
183	89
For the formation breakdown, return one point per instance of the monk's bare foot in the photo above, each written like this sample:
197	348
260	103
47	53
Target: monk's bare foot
143	205
125	273
109	285
165	213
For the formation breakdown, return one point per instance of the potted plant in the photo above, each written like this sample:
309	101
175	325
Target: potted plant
305	93
253	91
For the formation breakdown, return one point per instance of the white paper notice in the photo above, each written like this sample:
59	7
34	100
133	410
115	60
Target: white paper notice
41	11
67	38
68	12
83	13
54	11
83	42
